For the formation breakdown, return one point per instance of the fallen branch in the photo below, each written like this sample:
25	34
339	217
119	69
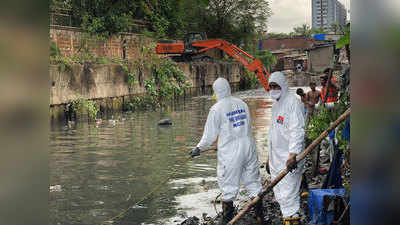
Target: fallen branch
299	157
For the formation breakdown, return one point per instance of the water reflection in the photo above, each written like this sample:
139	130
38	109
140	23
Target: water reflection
104	168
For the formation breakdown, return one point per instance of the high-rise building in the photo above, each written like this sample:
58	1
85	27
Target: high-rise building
326	12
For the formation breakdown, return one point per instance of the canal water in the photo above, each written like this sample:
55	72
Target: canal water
99	170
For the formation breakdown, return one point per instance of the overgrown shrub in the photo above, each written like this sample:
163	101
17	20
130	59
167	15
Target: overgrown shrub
82	106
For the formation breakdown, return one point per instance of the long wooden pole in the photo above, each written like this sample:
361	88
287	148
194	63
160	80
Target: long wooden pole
299	157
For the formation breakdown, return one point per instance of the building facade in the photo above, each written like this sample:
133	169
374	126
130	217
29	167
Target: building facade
326	12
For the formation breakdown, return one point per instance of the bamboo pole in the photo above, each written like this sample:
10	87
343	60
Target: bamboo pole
299	157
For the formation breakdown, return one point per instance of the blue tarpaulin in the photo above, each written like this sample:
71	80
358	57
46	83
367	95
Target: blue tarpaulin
319	36
315	205
346	130
334	178
260	45
331	135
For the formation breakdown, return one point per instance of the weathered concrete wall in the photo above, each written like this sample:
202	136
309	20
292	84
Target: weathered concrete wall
102	81
273	44
320	58
107	84
301	79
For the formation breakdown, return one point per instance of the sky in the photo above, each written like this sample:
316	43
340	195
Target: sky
291	13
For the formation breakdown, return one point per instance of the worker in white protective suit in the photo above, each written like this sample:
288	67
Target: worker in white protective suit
285	142
229	120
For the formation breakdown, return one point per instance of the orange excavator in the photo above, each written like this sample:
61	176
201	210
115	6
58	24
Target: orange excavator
195	44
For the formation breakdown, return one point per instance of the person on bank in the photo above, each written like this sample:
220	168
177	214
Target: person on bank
229	120
300	92
329	90
312	97
285	142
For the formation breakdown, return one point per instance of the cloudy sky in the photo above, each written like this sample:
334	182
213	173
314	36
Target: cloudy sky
291	13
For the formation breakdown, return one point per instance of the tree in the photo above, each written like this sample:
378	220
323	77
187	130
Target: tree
239	21
102	17
166	17
319	30
266	58
336	28
60	4
303	30
344	41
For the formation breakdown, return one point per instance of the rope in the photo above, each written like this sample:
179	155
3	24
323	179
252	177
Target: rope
154	189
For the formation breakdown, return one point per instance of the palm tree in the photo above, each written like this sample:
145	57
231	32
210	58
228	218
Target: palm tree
302	30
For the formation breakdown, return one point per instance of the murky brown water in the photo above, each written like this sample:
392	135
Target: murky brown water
98	171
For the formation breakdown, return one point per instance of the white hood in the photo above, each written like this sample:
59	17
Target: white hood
279	78
221	88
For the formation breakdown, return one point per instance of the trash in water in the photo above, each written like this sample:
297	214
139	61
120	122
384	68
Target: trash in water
138	207
98	202
164	122
55	188
105	188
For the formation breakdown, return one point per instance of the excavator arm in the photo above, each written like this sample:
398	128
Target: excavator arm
239	55
196	43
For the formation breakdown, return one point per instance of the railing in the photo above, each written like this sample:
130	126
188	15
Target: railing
63	17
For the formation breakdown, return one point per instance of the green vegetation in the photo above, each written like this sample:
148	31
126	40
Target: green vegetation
238	21
305	30
54	49
266	58
167	82
82	106
252	79
344	41
321	121
336	28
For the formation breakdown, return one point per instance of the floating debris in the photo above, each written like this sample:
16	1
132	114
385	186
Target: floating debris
55	188
99	203
138	207
165	122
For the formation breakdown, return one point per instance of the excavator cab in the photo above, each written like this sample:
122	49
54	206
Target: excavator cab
193	37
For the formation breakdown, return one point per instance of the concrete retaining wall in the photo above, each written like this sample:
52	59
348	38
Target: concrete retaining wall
108	86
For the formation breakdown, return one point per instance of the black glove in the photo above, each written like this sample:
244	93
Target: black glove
292	166
267	168
195	152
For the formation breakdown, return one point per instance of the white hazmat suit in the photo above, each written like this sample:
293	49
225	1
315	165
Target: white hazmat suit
286	135
229	120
